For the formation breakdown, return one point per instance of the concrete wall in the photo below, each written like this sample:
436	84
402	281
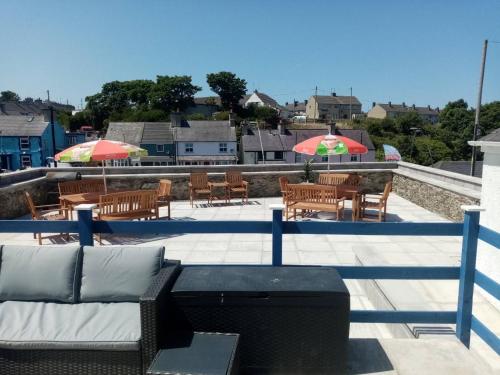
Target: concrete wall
13	200
436	190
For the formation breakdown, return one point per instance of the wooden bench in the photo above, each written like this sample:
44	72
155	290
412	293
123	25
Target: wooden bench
129	205
311	197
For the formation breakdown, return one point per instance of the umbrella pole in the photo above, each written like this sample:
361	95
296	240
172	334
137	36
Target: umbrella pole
104	178
328	163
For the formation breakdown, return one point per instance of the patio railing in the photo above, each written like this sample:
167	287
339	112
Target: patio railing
466	273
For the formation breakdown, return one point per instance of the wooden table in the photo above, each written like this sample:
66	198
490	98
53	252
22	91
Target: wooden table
356	193
219	185
71	200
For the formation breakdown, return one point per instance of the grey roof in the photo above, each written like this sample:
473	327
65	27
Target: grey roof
140	132
266	99
207	100
22	126
494	136
272	140
157	132
330	99
205	131
128	132
400	108
22	108
460	166
301	107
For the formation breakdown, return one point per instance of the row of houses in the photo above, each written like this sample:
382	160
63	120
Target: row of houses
320	107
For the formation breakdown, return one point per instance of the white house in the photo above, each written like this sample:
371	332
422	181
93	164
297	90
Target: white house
204	142
263	100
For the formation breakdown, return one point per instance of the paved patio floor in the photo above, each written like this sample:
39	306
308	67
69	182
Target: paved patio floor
327	250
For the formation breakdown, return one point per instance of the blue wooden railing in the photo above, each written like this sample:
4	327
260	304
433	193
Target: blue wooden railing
466	274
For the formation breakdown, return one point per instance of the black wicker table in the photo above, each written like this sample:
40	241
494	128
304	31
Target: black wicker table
199	353
292	320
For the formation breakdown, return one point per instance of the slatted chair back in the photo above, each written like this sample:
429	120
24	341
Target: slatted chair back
129	203
332	179
31	205
92	186
312	193
69	187
164	189
199	180
387	190
283	183
234	179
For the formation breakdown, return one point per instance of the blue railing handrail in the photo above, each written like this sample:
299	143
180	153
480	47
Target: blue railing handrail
466	273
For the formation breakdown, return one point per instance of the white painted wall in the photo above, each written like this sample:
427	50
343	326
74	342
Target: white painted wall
254	99
488	257
206	148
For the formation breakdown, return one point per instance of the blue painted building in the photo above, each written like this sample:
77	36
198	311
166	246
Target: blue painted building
26	141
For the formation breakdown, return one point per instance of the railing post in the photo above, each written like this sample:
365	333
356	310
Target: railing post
85	224
467	272
277	234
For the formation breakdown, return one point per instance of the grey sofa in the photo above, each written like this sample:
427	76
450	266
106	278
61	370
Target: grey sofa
91	310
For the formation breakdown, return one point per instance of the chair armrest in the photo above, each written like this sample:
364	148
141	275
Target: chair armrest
56	205
156	311
244	183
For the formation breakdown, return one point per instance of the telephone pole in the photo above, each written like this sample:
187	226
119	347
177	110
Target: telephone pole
315	101
350	106
478	109
51	109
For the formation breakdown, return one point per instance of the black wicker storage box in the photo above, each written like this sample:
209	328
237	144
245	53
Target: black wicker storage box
292	320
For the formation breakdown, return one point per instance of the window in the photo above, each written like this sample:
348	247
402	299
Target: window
324	159
278	155
259	155
188	147
72	140
222	147
160	148
24	143
26	161
354	157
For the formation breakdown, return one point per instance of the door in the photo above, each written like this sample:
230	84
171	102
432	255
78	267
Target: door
5	162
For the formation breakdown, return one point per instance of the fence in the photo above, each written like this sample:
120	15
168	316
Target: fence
466	274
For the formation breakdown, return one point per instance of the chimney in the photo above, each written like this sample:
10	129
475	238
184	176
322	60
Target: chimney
429	107
390	104
286	104
413	106
404	105
176	119
332	127
437	109
334	94
374	104
305	102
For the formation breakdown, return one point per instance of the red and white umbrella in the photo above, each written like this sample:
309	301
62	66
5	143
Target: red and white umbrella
100	150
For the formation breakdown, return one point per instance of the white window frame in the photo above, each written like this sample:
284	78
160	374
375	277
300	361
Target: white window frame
223	147
26	161
188	148
160	148
25	141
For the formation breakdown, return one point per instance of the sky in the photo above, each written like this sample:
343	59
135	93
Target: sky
421	52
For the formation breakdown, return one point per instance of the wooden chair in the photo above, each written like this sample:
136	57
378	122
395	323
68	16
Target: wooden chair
129	205
50	212
283	184
379	204
236	185
332	179
198	185
165	195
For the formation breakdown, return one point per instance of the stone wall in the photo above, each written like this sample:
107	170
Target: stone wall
13	201
432	197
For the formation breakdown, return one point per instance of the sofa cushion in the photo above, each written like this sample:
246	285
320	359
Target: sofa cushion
82	326
118	273
36	273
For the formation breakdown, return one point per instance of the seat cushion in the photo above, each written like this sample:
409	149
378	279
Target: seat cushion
118	273
83	326
36	273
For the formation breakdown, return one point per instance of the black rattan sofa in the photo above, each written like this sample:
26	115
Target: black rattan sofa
67	310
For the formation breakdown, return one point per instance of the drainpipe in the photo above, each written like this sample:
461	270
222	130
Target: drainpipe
53	133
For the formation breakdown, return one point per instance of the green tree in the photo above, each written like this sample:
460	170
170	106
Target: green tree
7	96
171	93
457	117
229	87
489	118
138	91
408	121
